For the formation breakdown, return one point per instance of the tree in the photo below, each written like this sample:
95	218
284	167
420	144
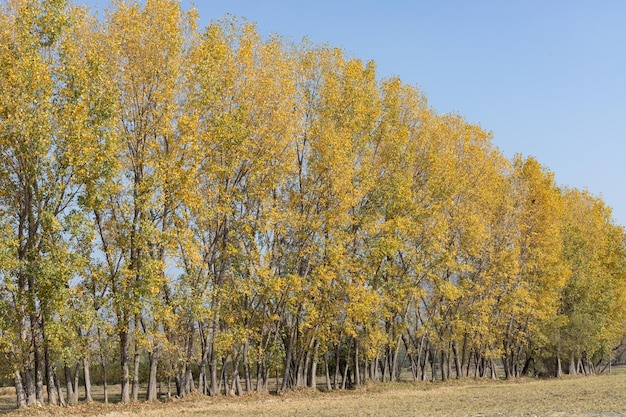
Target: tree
532	294
592	301
145	48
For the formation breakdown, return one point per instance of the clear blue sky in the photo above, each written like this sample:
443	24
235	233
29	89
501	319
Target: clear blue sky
548	77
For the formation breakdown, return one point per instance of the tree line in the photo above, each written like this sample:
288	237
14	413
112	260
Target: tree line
219	208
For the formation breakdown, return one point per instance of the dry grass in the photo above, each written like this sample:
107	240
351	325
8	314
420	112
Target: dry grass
603	395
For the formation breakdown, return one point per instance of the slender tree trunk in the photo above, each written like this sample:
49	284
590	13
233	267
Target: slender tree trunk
266	378
87	380
246	368
178	379
483	366
259	376
288	358
104	368
203	382
337	370
35	327
302	370
236	387
433	365
39	365
50	386
424	361
202	378
58	385
213	387
104	380
559	369
151	394
394	374
442	362
458	366
507	368
386	365
357	372
327	371
19	390
312	382
68	385
411	356
124	356
572	364
344	378
225	377
463	353
135	387
188	378
76	382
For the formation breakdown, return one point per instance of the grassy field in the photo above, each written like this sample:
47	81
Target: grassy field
603	395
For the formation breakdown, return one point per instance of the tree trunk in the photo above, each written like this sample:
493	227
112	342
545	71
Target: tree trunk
572	364
337	370
188	379
357	374
312	382
344	378
507	368
68	385
464	353
236	387
458	366
433	365
151	394
38	375
20	394
124	347
50	386
104	380
213	387
327	371
202	378
288	358
58	385
87	380
559	370
494	374
394	374
76	382
442	361
29	385
424	361
135	387
246	368
303	369
225	378
35	325
411	356
385	365
259	376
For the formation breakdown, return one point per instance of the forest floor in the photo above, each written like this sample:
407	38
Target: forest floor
601	395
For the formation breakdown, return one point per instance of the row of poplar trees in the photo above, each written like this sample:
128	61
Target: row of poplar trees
212	208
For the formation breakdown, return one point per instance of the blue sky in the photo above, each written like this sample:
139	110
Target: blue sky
547	77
